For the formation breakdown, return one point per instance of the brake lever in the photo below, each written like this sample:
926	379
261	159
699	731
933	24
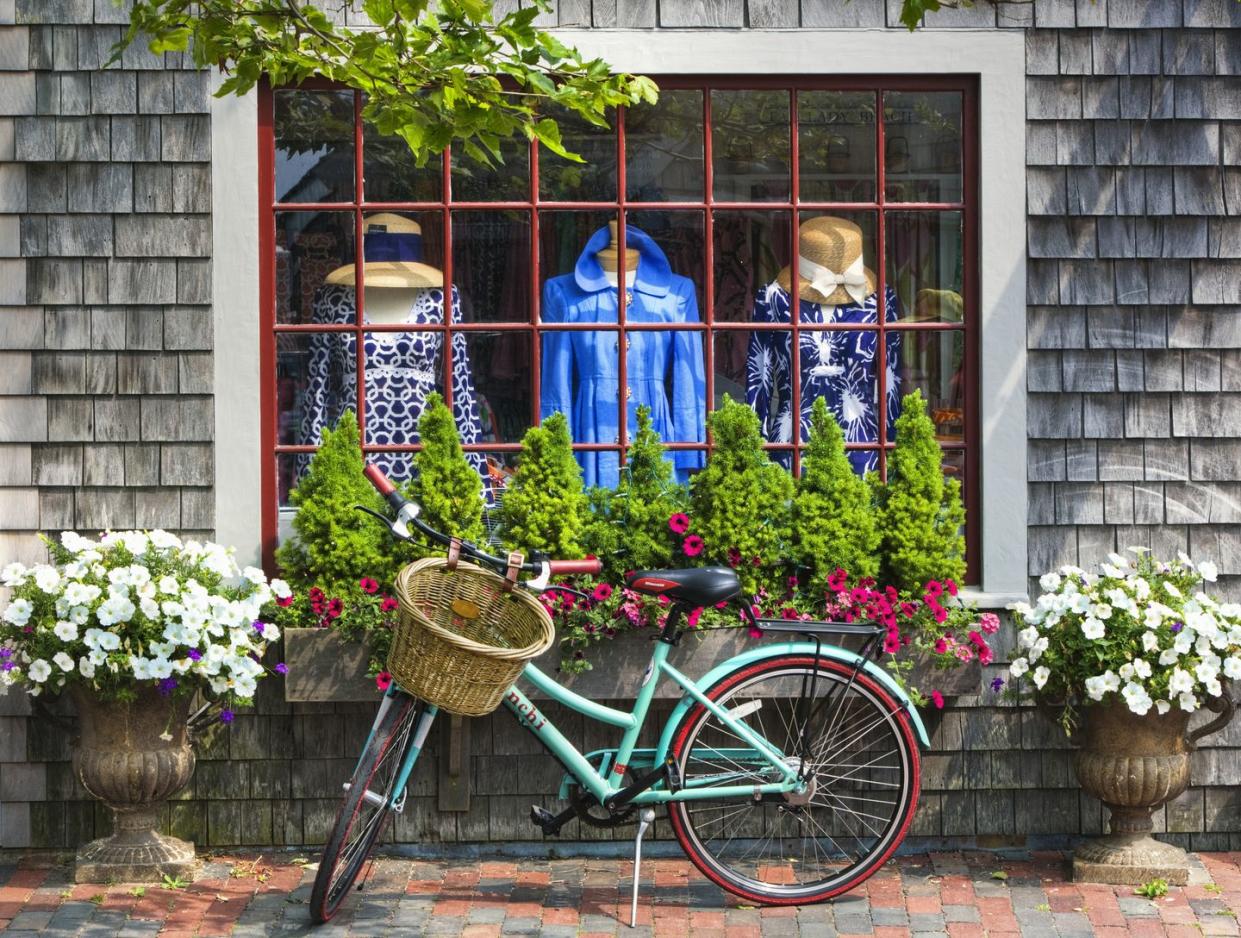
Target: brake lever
397	528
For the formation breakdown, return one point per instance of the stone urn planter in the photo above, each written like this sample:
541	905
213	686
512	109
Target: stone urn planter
121	758
1134	764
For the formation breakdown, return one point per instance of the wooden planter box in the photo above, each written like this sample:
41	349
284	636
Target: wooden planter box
324	668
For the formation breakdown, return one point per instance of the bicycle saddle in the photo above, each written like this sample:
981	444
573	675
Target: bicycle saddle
696	586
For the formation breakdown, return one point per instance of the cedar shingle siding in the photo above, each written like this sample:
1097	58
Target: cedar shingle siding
1133	333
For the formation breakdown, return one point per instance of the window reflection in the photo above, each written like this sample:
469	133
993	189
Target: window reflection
390	174
926	263
664	146
750	248
491	264
314	146
922	146
309	246
836	146
507	179
933	361
502	367
594	180
750	145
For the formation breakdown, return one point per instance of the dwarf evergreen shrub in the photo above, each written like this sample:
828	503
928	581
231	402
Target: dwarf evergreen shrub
628	529
335	546
543	508
445	484
834	521
742	501
921	515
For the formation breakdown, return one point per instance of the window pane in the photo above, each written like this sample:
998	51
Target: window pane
505	180
922	146
390	175
491	265
562	180
750	249
563	237
314	146
934	362
836	145
580	374
309	247
750	146
664	145
502	367
678	236
316	381
402	368
842	368
926	262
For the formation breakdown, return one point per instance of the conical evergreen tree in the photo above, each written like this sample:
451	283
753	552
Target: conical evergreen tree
629	525
742	501
445	484
336	546
922	517
543	506
834	521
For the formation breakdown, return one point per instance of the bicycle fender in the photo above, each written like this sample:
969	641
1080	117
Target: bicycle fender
780	650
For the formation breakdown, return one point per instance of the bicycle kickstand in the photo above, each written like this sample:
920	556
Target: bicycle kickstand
648	815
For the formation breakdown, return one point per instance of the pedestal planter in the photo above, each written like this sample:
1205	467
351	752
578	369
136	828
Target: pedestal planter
325	668
1134	764
121	759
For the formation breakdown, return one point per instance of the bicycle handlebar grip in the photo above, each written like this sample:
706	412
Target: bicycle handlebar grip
567	567
375	476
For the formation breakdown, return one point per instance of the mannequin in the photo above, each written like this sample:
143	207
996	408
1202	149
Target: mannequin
664	369
402	368
833	286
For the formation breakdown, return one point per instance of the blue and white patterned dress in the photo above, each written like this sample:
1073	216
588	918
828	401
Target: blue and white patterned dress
402	368
838	365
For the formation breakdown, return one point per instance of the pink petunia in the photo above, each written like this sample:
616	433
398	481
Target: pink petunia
985	654
602	592
286	601
934	589
938	611
692	619
908	609
679	523
755	632
989	622
892	642
368	585
951	586
692	546
941	646
788	613
978	640
837	579
383	680
389	604
938	699
734	557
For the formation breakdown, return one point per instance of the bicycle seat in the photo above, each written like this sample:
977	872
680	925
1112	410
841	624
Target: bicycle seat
696	586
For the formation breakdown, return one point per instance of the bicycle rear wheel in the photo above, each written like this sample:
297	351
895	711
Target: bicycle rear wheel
862	785
368	802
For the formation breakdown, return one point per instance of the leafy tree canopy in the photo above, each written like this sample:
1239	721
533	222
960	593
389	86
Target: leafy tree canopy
432	73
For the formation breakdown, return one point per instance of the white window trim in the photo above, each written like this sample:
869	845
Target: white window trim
997	57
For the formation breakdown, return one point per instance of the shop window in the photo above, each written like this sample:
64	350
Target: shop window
836	217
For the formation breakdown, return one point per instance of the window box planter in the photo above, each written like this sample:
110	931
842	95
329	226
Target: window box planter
324	668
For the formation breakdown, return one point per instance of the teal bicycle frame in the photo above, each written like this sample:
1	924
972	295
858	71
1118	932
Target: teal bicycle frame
603	785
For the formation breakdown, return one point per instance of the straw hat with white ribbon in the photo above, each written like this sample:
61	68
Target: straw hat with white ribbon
393	249
829	263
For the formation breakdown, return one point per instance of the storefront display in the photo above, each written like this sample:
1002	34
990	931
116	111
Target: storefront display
840	365
580	374
402	368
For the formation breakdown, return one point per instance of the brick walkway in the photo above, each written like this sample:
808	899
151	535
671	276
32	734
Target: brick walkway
933	896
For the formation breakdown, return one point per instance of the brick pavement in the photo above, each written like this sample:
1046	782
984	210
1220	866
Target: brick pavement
949	895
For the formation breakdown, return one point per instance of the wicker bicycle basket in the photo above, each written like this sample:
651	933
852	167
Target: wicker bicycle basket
462	639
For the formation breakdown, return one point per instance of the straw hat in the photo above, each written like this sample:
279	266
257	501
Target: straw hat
394	274
834	245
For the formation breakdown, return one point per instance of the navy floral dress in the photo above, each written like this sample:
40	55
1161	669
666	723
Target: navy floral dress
402	368
838	365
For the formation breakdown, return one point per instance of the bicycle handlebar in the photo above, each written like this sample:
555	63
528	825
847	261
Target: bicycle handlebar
407	513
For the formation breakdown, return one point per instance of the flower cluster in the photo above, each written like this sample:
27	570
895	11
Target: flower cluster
359	612
691	544
1140	628
137	608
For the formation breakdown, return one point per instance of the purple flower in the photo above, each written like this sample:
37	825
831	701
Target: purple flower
1177	626
6	652
167	686
194	654
997	683
282	668
257	625
226	715
7	666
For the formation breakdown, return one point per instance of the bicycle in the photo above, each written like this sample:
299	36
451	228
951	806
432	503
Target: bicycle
790	772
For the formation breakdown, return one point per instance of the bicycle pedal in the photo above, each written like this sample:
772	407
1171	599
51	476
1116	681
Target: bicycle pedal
673	773
547	822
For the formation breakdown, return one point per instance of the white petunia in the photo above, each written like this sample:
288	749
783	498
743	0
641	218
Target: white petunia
115	609
46	578
109	641
1037	649
280	589
1162	706
164	541
13	575
150	608
1092	628
1150	641
1019	667
1188	702
1142	668
1173	591
1049	581
18	613
136	542
1181	682
169	585
1209	571
271	632
1095	687
39	671
1101	611
63	661
86	667
1040	676
1137	698
254	575
1127	671
72	541
66	631
1027	637
1169	656
1232	667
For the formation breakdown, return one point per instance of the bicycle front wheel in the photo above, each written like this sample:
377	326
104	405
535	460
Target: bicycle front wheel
367	804
861	792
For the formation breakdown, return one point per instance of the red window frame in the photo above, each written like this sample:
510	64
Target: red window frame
269	327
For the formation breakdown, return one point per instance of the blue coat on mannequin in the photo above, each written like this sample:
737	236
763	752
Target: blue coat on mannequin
580	369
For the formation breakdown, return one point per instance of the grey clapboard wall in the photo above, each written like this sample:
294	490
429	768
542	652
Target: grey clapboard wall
1134	338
